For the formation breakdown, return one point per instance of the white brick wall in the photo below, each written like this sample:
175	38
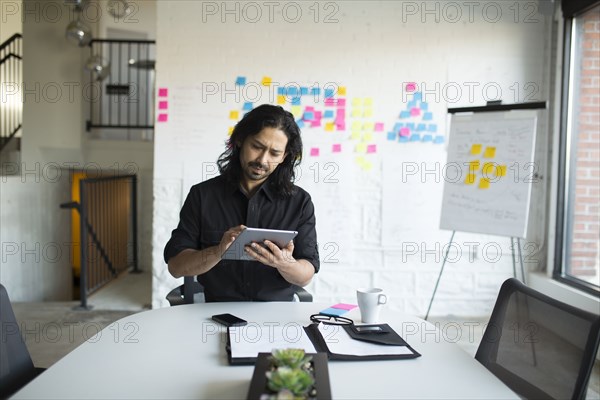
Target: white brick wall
372	49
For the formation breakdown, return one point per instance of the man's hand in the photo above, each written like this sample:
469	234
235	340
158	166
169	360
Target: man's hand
229	237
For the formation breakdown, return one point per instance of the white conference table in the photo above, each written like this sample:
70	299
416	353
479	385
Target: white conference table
179	353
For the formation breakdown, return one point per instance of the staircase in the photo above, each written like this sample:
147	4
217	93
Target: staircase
11	105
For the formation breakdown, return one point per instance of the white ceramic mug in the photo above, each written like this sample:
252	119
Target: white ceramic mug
370	301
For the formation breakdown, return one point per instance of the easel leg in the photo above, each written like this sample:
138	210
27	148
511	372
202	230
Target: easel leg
521	260
514	262
440	275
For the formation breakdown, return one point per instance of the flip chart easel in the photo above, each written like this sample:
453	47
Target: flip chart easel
486	143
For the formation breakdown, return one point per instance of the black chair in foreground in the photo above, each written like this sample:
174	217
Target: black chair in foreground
538	346
16	367
192	290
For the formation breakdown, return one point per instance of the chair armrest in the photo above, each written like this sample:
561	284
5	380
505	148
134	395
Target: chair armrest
303	295
184	294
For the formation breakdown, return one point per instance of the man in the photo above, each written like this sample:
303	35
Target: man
255	189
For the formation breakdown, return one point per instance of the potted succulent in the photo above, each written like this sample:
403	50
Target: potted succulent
290	374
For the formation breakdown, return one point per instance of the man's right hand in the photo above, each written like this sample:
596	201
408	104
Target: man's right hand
229	237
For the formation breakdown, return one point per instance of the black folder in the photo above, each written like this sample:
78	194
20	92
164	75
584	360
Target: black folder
388	338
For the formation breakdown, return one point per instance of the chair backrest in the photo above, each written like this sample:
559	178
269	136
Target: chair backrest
16	367
539	346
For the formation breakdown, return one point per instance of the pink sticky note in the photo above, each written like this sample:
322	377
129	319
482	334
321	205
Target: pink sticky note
341	112
329	102
336	148
341	127
163	105
341	103
372	148
414	112
344	306
318	114
404	131
314	151
411	87
162	117
315	123
163	92
379	127
309	108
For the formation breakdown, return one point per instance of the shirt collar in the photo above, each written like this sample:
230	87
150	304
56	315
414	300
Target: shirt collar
265	188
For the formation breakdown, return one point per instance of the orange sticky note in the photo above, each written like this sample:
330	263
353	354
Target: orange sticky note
471	178
476	149
484	183
234	114
266	81
280	99
490	152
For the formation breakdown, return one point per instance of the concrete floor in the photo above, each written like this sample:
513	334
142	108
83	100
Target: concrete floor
52	330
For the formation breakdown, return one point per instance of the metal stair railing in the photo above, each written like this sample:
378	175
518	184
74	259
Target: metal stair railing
11	76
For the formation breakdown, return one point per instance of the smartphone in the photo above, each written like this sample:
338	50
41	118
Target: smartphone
368	329
229	320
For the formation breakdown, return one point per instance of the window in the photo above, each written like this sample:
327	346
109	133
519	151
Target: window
578	233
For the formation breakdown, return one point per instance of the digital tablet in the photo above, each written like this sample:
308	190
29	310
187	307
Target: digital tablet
249	235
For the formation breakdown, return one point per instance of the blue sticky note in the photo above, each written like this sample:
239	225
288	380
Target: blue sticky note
404	114
398	125
292	91
428	116
438	140
296	101
411	126
303	91
421	127
427	138
329	93
403	139
300	123
424	106
391	136
334	312
411	104
415	137
315	91
247	106
417	96
328	114
309	116
281	91
240	81
432	128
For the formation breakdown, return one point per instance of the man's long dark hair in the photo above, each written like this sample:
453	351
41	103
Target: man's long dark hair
266	115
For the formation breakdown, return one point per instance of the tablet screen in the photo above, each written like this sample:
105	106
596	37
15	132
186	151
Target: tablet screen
258	235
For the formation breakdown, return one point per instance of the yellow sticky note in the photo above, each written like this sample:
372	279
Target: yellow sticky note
471	178
296	111
356	126
230	130
330	127
501	170
342	91
366	165
355	135
361	148
266	81
356	101
484	183
367	137
369	101
368	112
356	113
488	169
280	99
490	152
368	126
473	166
476	149
234	115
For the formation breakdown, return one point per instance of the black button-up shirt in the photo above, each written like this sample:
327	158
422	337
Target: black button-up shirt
216	205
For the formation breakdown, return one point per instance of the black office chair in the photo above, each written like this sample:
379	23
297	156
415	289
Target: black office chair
538	346
16	367
191	291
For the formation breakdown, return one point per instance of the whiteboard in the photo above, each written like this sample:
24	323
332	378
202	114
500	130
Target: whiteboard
489	173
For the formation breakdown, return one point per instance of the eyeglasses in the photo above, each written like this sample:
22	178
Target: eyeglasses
330	319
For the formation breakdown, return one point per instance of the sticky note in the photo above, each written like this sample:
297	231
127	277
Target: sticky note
344	306
361	148
341	103
356	113
329	93
424	106
356	101
336	148
415	137
355	135
342	91
411	87
421	127
379	127
314	152
308	115
415	112
367	137
411	126
234	114
404	114
356	125
300	124
438	139
473	166
403	139
470	179
333	312
368	126
368	113
247	106
500	170
163	92
488	169
293	91
427	138
404	131
490	152
330	127
328	114
296	101
417	96
364	164
303	91
296	111
280	99
230	130
476	149
163	105
428	116
315	123
341	126
266	81
315	91
329	102
162	117
372	148
391	136
240	81
484	183
368	101
281	91
432	128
